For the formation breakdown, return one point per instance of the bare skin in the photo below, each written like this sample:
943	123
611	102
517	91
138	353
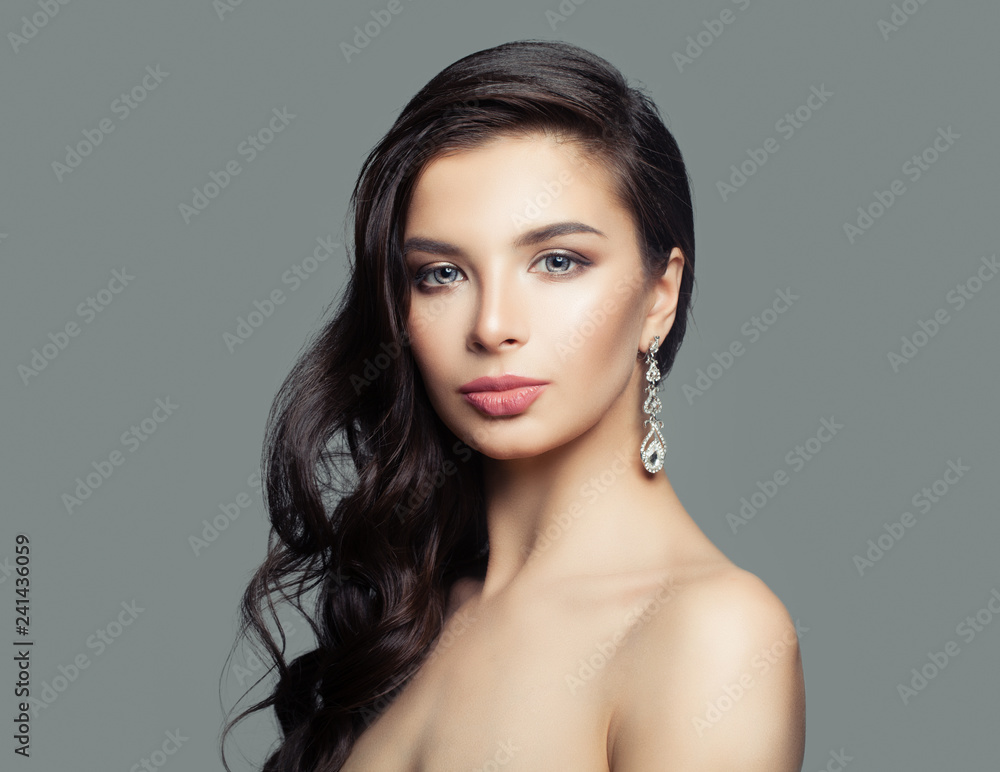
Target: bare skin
610	634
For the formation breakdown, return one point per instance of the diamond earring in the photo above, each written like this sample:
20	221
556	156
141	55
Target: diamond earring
653	447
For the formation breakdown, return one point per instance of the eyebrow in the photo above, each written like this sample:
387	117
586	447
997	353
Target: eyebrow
536	236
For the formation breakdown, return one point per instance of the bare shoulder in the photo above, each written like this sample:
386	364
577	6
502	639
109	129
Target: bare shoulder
715	682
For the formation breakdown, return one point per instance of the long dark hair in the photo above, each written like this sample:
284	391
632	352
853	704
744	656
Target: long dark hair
374	503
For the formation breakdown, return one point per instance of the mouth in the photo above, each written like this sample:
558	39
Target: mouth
503	395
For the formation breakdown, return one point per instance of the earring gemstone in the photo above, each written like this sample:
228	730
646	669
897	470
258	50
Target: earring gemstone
652	450
653	447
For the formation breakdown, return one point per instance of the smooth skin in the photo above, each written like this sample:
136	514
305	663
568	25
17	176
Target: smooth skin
610	634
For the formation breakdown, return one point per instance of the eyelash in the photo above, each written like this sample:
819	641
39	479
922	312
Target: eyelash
580	262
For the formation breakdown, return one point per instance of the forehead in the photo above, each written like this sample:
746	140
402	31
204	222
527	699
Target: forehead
512	184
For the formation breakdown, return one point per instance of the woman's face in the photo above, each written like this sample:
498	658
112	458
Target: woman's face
493	294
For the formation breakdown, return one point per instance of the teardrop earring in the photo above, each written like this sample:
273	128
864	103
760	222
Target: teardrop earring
653	447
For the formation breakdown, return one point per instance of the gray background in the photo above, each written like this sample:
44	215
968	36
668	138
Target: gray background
826	356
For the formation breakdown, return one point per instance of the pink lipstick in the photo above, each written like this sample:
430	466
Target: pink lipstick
503	395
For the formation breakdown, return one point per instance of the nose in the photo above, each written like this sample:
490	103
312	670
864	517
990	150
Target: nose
500	319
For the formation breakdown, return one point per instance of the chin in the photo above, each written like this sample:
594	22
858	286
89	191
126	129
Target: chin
501	438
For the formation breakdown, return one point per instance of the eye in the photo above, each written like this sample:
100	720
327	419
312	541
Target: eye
443	274
562	262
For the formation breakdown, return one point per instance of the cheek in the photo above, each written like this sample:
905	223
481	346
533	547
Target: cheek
425	314
428	328
594	333
423	354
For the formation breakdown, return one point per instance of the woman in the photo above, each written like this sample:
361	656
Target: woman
465	463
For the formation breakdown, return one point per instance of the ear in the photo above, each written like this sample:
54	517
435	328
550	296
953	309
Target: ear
663	299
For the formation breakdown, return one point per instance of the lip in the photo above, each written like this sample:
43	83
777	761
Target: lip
503	382
507	402
503	395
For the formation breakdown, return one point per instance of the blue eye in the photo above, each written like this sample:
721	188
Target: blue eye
567	261
441	271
